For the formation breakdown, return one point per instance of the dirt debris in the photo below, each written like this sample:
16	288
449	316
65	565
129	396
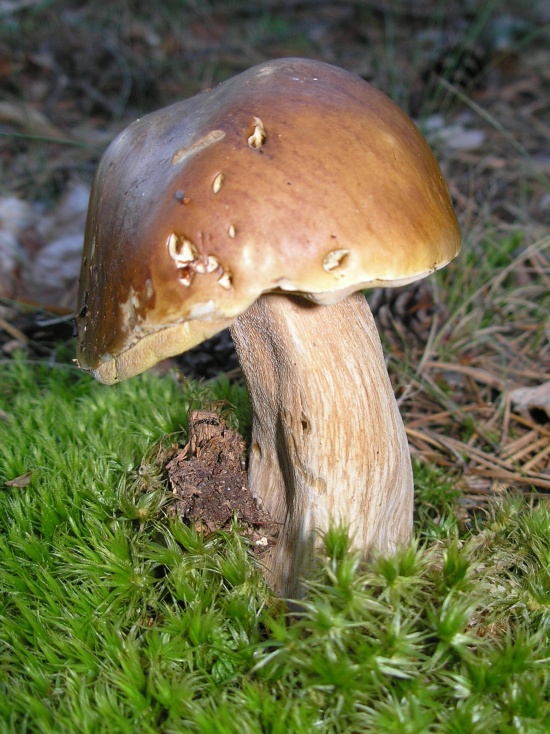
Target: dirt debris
209	482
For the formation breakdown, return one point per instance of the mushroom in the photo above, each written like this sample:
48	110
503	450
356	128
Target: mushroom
267	204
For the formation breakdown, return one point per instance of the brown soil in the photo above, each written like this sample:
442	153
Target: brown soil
209	482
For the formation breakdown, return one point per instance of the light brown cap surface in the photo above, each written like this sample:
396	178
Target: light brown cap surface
294	176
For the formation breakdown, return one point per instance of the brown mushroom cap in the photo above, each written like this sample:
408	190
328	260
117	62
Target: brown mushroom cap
292	176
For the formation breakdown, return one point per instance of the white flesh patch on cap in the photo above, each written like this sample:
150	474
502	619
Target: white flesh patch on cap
334	260
188	150
204	310
189	261
287	285
225	280
212	264
217	183
259	135
130	307
181	249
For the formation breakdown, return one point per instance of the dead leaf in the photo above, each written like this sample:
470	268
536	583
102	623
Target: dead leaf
52	275
32	121
15	216
532	398
22	481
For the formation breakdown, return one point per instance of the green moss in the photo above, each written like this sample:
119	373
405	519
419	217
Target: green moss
115	619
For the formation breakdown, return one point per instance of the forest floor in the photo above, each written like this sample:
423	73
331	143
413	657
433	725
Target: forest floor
476	81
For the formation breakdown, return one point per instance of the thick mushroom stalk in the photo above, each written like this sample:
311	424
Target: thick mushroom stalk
328	442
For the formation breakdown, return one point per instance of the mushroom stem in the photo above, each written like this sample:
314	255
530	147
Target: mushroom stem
328	442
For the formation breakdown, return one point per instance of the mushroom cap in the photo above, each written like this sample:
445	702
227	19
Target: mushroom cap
293	176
